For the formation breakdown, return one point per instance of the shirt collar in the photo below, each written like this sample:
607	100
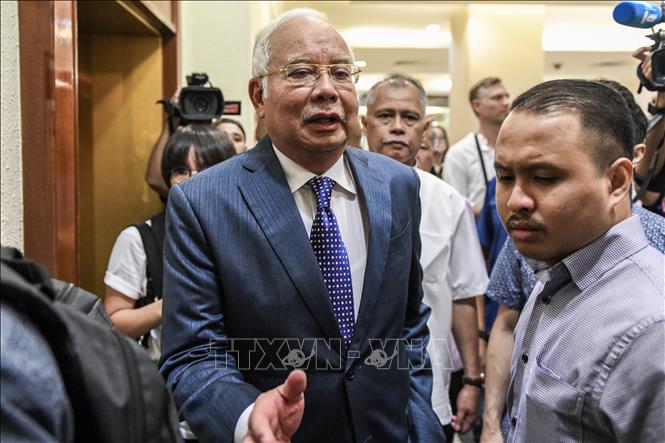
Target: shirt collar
297	176
482	141
622	240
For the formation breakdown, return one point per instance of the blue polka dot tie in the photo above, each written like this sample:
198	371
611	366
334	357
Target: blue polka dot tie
331	254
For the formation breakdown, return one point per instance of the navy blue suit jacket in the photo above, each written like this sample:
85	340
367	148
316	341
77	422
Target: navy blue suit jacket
245	303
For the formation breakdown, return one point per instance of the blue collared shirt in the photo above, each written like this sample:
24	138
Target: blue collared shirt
589	356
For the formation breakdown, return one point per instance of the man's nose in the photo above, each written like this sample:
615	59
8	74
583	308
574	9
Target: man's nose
519	200
324	88
397	125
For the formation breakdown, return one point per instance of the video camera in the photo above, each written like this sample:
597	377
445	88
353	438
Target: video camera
646	15
196	103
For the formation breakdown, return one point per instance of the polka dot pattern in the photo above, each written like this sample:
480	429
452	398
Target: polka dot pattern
331	254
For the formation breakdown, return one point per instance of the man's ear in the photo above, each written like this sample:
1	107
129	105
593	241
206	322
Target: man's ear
620	175
638	153
363	120
475	104
256	96
428	123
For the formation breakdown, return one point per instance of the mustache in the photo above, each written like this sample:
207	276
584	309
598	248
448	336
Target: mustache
310	113
520	222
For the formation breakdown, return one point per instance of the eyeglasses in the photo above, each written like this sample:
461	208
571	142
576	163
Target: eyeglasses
183	171
306	74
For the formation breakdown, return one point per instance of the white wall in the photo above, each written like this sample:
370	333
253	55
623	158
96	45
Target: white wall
217	38
11	186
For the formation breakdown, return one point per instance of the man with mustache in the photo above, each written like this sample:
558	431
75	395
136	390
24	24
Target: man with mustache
513	281
589	357
453	265
300	253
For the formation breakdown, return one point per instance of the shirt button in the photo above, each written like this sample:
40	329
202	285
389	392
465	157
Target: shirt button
350	374
513	422
546	300
525	358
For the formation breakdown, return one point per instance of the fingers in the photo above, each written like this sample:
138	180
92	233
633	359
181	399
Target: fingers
458	420
294	386
642	53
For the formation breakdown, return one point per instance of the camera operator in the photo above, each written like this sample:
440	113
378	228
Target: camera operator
653	196
198	102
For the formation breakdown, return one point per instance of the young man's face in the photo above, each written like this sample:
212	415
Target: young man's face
550	194
395	122
493	104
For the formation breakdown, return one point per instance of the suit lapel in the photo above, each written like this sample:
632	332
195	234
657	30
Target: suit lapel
375	194
270	200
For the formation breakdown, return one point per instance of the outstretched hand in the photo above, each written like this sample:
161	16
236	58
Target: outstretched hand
277	413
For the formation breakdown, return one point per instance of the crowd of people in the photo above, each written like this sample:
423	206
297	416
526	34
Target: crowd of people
508	286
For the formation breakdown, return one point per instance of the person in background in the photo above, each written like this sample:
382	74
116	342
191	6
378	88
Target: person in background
654	196
189	150
469	164
235	131
453	267
437	138
564	173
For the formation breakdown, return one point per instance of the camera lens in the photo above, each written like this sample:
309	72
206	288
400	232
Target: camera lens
201	104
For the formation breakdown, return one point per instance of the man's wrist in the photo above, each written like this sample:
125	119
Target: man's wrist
473	381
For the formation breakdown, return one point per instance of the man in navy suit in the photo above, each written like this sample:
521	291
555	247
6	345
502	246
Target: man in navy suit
300	253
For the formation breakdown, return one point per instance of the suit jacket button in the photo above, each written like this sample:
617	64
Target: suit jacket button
350	374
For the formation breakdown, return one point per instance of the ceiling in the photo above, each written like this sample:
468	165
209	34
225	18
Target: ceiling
579	38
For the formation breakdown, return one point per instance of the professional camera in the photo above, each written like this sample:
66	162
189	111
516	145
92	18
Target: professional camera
197	103
657	63
646	15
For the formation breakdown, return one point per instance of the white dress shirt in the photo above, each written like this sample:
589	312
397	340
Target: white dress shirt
453	269
462	168
352	220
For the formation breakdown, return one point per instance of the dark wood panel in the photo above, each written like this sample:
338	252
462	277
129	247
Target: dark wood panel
66	123
171	55
37	131
48	125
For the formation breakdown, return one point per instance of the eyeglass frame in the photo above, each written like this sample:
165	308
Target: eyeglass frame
355	76
190	172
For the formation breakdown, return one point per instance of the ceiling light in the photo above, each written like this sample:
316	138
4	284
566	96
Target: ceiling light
433	28
377	37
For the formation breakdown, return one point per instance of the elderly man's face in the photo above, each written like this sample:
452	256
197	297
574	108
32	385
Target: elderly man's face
395	122
307	123
549	193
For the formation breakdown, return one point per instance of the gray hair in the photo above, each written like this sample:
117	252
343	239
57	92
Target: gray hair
398	81
263	46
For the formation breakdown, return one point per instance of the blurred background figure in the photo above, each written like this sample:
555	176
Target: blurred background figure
438	139
470	162
235	131
133	297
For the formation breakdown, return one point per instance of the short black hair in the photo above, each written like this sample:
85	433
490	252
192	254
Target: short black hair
474	92
640	121
234	122
600	109
210	144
